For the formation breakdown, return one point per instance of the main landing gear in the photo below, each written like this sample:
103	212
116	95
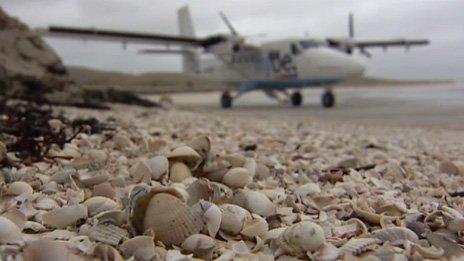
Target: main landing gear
296	98
328	99
226	100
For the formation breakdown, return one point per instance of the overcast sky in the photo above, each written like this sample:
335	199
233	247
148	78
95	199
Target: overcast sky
440	21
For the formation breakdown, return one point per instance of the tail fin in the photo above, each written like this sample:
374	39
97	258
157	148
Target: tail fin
189	58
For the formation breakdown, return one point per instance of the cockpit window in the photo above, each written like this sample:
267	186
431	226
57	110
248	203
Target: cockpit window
310	44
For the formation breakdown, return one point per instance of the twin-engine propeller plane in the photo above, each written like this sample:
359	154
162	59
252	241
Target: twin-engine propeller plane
273	67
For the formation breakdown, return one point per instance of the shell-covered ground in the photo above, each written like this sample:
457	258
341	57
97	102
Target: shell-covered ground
167	184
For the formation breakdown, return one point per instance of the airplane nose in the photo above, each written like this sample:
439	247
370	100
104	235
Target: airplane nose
354	68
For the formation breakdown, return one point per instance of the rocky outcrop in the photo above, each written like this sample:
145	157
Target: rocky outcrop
29	68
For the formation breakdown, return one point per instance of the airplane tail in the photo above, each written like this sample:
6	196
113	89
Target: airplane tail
189	57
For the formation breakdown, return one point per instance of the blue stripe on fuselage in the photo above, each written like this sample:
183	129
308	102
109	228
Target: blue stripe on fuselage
283	84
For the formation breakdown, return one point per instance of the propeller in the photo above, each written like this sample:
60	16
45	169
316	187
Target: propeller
351	25
228	24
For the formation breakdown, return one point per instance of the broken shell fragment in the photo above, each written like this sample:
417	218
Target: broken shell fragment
140	247
199	245
255	202
186	155
46	250
395	235
108	234
257	227
18	187
10	233
202	145
65	216
99	204
237	178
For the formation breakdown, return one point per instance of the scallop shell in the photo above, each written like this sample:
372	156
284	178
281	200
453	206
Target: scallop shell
108	234
301	237
65	216
255	202
237	178
168	217
257	227
199	245
99	204
395	235
140	247
10	233
159	166
46	250
179	171
18	187
186	155
233	218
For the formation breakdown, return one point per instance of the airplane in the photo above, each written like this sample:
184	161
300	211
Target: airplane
273	67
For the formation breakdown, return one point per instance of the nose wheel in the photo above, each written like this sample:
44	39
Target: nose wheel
328	99
296	99
226	100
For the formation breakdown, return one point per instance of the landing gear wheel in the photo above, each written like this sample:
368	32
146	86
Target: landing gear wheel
226	100
328	99
296	99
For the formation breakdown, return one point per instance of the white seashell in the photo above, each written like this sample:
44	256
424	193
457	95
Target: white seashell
221	193
82	244
116	217
176	255
262	171
159	166
179	171
122	141
93	178
251	166
140	172
46	203
255	202
104	190
99	204
168	217
395	235
18	187
65	216
301	237
240	248
237	178
46	250
97	156
186	155
33	227
307	190
273	234
140	247
199	245
202	145
16	216
10	233
108	234
233	218
212	218
257	227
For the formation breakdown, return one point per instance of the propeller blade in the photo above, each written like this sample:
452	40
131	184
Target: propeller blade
351	25
228	23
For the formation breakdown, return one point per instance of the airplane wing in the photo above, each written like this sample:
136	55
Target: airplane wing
389	43
127	37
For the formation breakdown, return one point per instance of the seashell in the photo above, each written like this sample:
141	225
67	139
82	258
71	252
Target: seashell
237	178
235	160
327	252
140	247
250	165
10	233
59	234
353	227
33	227
65	216
357	246
99	204
106	252
176	255
395	235
16	216
202	145
140	172
240	248
255	202
215	169
108	234
98	157
451	248
370	217
448	167
233	218
200	189
103	190
167	216
18	187
46	203
116	217
46	250
64	176
257	227
301	237
179	171
82	244
429	252
199	245
122	141
221	193
212	218
93	178
185	154
159	166
262	171
308	190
